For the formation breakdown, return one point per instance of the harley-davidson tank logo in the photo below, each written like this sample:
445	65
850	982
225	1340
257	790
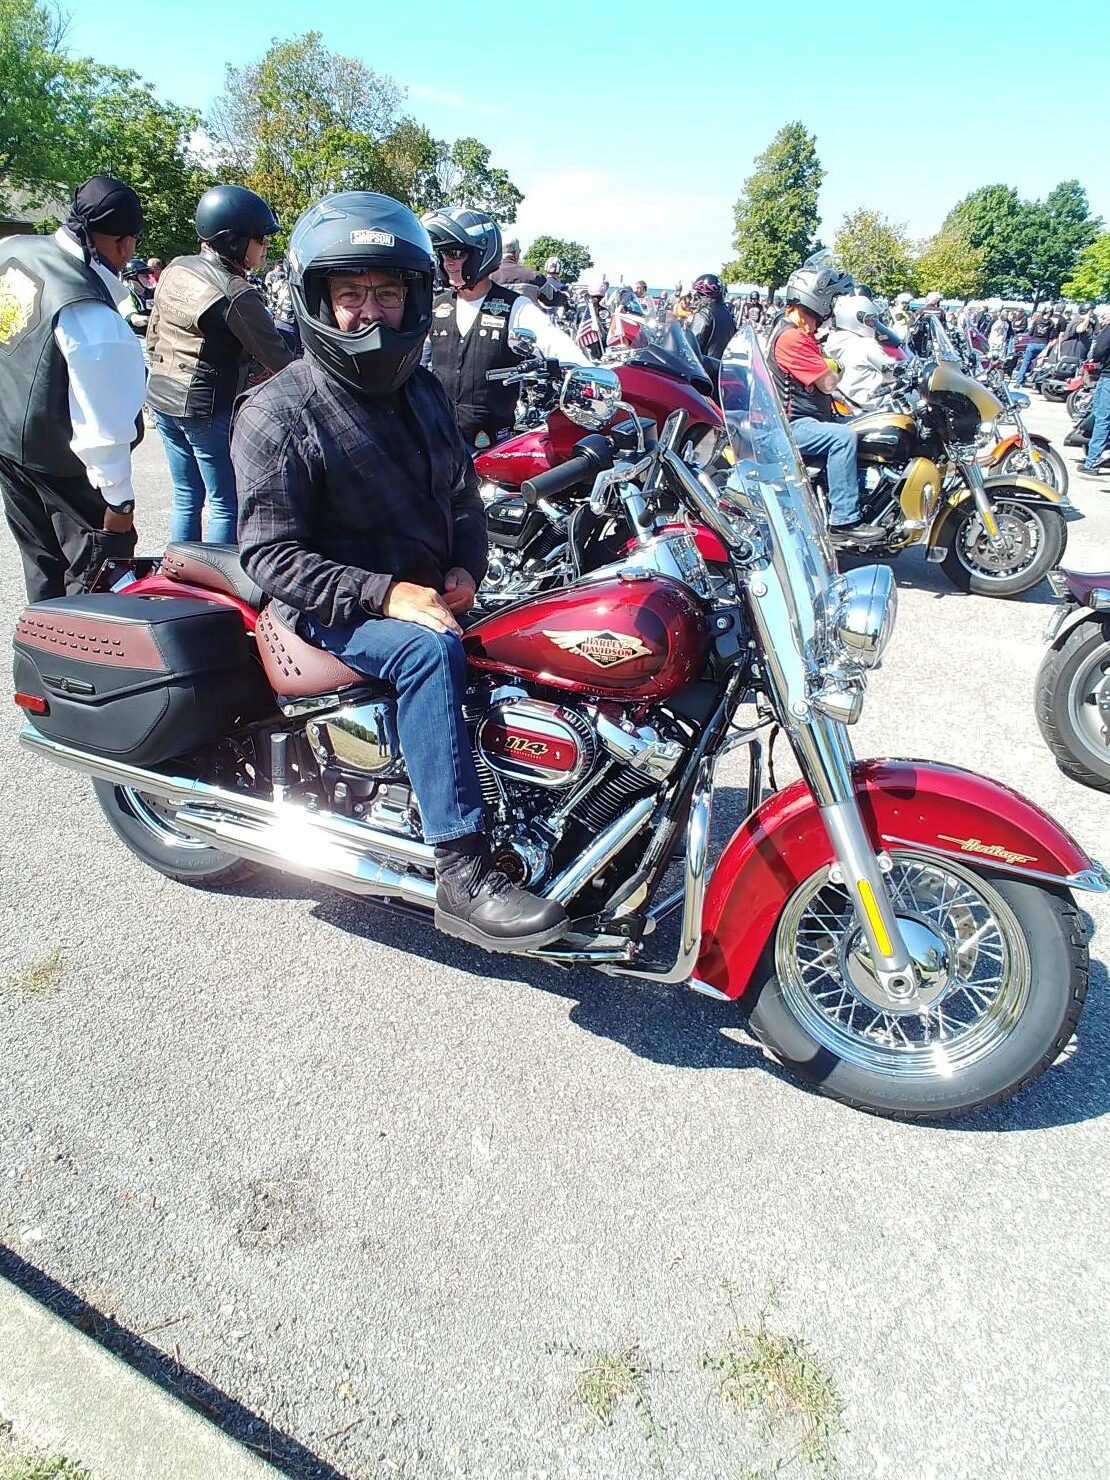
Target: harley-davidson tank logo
18	296
604	649
988	850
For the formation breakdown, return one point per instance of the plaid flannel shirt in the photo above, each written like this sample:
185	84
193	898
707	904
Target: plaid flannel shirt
341	494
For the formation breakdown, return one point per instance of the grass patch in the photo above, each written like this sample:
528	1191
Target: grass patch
41	978
55	1468
606	1379
772	1378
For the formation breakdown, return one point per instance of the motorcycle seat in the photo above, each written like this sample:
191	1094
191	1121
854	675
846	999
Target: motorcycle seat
297	669
215	567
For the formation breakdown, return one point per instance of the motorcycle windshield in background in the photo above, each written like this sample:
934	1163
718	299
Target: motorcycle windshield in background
658	344
768	484
940	341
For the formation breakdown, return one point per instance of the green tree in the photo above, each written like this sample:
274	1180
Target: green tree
875	251
776	216
466	177
409	157
948	264
1056	231
994	221
35	78
1091	276
573	255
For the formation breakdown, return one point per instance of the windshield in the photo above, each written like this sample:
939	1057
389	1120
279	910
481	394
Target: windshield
940	342
657	342
768	485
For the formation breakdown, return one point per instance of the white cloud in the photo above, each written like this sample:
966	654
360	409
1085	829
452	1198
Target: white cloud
451	100
661	232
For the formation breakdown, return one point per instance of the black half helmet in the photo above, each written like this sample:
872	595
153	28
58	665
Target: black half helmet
229	216
357	231
475	233
135	268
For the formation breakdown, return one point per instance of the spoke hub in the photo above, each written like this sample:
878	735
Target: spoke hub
930	969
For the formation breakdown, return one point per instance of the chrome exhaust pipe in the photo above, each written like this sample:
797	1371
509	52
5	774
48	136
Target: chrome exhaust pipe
214	814
291	841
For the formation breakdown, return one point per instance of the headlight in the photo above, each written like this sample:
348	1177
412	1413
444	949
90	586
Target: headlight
1019	399
862	607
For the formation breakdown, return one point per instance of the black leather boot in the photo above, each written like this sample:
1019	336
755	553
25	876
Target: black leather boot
476	903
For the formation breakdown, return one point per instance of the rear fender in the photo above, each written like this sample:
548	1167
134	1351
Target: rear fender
157	585
1019	489
931	808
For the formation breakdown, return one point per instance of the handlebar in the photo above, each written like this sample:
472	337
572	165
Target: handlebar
593	456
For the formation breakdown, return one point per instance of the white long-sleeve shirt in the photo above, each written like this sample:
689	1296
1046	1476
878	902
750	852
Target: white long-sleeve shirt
107	383
551	342
866	365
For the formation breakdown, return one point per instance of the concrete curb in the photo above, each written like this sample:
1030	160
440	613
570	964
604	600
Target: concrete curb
63	1392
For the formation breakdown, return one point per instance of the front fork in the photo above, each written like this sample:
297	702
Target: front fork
972	475
825	756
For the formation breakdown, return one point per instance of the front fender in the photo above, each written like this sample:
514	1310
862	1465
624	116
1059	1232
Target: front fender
905	804
1028	491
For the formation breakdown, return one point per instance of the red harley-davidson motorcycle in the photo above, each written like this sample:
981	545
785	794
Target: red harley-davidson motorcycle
535	484
900	934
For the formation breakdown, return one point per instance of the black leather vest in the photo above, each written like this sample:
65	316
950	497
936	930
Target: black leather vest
37	280
798	400
485	410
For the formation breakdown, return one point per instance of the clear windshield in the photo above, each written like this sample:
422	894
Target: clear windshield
940	341
768	485
669	338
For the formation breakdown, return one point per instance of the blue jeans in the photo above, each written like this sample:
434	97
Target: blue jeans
198	450
1100	432
834	444
1032	350
428	670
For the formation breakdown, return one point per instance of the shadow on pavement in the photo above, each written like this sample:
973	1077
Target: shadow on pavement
915	573
255	1434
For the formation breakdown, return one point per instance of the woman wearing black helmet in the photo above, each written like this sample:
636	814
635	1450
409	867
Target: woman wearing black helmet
362	519
207	324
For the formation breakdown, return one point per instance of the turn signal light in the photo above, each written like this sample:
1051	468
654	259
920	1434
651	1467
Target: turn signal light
32	703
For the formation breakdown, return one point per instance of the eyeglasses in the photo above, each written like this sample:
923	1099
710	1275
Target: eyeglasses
385	295
452	254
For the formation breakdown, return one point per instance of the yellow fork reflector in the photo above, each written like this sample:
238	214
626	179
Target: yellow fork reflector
874	918
991	523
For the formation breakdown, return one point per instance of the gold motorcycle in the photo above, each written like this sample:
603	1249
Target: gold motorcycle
993	536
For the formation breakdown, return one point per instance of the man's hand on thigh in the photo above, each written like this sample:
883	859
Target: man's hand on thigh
407	602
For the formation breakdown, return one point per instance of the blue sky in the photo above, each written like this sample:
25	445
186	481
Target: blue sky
632	127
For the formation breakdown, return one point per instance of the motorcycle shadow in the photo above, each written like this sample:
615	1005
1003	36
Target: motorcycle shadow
913	572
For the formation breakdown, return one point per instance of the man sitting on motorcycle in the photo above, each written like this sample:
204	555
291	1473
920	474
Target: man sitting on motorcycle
805	380
867	367
360	515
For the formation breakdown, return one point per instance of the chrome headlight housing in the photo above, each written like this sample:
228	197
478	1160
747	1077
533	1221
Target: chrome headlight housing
861	610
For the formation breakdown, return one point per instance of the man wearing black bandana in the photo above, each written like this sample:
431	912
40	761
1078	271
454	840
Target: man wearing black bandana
72	383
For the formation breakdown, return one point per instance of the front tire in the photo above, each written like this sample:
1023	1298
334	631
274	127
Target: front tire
1014	982
146	827
1073	703
1078	403
1036	537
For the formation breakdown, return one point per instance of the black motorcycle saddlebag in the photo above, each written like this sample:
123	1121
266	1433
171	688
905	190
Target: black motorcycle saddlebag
138	678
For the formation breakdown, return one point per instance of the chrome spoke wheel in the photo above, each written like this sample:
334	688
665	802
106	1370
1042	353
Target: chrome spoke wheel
159	819
963	1007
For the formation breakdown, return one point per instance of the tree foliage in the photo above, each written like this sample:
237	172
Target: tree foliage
575	257
1091	275
1028	247
875	251
776	216
467	178
34	79
948	264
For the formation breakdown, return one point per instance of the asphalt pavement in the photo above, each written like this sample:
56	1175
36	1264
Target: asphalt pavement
360	1193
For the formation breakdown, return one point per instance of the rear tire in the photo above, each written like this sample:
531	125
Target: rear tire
1078	403
998	1038
146	828
1040	537
1073	678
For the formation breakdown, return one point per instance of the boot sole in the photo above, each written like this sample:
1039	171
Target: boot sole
463	930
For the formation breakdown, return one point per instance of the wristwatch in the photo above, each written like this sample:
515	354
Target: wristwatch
127	507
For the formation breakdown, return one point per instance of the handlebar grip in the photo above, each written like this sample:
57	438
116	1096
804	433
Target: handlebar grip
594	453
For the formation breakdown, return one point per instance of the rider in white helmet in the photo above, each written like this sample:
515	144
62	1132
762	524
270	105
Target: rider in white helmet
901	319
852	341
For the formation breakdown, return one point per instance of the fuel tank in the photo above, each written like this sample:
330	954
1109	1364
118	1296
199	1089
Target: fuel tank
643	638
885	437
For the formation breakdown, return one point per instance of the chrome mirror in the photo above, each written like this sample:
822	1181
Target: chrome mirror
522	342
591	396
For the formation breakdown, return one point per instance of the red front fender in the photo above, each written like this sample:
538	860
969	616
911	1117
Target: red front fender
935	808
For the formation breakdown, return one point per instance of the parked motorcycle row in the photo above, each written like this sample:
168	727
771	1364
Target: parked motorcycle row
901	935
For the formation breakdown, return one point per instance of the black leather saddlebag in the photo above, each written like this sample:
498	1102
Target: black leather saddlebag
137	678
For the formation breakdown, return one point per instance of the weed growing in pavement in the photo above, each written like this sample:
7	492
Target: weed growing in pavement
775	1379
604	1380
41	979
41	1469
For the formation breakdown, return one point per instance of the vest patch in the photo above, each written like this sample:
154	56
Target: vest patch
496	305
491	321
444	311
19	298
